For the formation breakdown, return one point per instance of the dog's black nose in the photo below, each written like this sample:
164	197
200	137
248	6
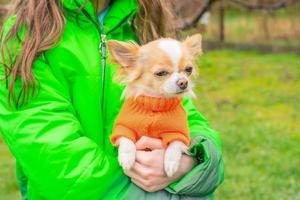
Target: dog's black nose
182	84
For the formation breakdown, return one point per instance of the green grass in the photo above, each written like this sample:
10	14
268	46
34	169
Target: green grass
8	185
253	100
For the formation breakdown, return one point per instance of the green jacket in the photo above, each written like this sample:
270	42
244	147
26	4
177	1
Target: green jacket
61	137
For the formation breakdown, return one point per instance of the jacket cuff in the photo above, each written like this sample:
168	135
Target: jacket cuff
204	178
196	150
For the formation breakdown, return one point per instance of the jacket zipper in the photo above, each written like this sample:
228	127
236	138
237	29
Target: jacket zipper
102	49
102	45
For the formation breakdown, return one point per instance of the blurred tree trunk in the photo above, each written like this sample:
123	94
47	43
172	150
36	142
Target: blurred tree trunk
265	24
222	21
187	13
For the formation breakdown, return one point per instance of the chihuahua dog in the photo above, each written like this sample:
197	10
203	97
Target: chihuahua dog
157	75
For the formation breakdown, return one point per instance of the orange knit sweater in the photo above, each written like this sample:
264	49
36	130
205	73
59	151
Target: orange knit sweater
160	118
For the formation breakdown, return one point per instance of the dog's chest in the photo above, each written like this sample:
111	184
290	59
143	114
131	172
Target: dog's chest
151	123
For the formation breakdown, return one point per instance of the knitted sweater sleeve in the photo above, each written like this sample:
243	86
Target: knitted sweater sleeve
123	126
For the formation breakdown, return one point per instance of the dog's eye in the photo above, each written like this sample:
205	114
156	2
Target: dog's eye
161	73
188	69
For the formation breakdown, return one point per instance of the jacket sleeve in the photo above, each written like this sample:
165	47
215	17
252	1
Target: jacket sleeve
206	147
47	139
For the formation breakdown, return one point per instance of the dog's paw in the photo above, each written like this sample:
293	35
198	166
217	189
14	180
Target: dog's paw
126	154
173	157
126	159
171	166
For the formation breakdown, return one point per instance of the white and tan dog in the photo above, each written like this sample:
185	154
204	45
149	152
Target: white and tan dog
157	76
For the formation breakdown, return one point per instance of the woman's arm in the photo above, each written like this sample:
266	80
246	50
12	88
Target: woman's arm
206	148
47	140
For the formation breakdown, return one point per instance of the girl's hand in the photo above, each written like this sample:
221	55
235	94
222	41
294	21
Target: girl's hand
148	171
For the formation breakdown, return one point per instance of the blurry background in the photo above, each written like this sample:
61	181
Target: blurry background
248	88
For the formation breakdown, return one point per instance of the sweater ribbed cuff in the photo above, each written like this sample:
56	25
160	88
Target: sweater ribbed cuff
168	138
122	131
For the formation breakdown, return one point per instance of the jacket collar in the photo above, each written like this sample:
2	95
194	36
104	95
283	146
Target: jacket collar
74	5
120	9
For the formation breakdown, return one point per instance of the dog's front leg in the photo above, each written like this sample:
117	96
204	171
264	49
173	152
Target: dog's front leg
127	152
173	156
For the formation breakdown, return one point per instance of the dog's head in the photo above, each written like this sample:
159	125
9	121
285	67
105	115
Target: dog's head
161	68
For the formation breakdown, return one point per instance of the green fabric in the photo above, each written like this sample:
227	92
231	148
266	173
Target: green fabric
61	138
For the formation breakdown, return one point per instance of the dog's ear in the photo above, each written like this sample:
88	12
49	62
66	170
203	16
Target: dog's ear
123	53
194	45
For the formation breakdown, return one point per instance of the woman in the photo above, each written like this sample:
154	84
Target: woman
58	104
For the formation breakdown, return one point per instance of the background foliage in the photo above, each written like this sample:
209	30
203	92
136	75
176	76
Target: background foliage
251	98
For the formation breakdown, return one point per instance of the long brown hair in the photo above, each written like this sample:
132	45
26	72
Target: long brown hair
44	21
153	20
